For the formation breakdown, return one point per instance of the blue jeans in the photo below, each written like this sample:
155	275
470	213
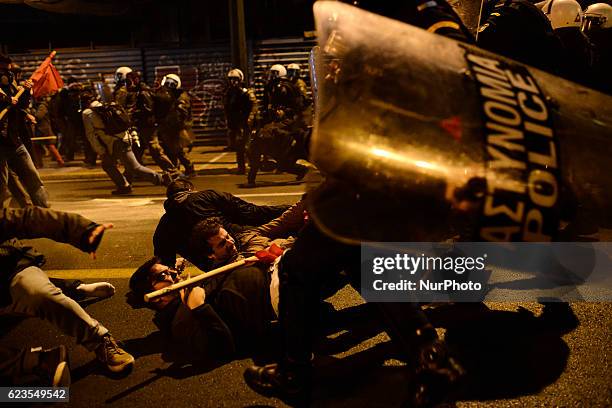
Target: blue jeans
18	159
123	152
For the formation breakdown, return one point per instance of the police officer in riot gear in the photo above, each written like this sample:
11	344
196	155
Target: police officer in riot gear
136	98
293	74
240	113
316	257
121	76
597	25
172	108
275	74
284	128
534	43
577	52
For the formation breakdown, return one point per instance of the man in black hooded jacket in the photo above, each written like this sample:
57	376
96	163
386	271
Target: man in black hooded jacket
186	207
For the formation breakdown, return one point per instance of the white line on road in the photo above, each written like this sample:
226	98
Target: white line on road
214	159
269	194
140	201
63	181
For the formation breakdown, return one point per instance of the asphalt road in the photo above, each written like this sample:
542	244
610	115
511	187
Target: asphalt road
517	355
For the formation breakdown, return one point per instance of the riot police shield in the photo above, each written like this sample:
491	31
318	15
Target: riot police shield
423	138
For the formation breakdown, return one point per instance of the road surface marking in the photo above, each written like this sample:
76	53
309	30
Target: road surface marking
107	273
140	201
213	160
269	194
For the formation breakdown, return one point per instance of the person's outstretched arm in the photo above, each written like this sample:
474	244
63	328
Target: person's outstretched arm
36	222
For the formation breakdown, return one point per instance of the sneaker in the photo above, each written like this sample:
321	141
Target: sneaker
53	366
114	357
122	190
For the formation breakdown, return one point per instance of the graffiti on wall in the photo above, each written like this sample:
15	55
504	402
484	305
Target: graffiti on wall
205	82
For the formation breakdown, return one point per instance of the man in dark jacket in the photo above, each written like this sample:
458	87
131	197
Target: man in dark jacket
26	289
66	108
186	207
210	324
13	130
230	312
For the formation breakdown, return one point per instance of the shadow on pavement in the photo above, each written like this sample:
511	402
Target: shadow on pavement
507	354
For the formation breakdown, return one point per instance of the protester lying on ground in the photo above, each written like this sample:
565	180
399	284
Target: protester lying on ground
229	314
185	207
27	290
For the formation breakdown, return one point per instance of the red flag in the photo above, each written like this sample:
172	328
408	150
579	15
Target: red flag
269	255
46	78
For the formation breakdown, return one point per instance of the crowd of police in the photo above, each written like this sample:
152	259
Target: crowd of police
276	135
563	37
122	121
113	123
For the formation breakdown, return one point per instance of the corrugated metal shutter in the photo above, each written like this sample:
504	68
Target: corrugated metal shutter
269	52
84	64
202	72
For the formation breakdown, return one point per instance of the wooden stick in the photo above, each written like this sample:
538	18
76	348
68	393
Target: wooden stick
17	95
193	281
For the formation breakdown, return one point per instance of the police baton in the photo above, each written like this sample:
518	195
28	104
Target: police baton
197	279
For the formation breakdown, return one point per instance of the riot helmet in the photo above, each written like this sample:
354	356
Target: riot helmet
277	71
121	75
293	71
171	81
563	13
235	77
132	79
597	16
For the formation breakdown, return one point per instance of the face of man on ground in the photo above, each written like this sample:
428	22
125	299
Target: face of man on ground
223	246
161	276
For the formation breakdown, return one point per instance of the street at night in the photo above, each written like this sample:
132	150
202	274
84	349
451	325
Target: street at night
561	363
306	203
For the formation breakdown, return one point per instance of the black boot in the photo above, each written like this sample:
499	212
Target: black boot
289	382
437	377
